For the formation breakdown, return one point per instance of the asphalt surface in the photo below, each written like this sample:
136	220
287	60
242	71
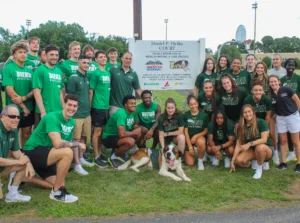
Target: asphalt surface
274	215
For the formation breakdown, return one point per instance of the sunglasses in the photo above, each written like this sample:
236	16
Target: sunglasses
14	116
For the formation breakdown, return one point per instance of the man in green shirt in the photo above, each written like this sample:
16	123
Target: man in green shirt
122	131
19	163
99	96
50	148
148	113
70	66
79	85
17	79
112	54
47	84
34	45
88	51
42	56
123	81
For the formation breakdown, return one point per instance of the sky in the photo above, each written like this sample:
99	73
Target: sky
214	20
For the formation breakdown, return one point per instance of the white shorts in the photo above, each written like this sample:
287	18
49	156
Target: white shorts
289	123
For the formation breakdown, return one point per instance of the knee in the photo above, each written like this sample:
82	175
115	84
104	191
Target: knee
130	142
239	161
260	148
181	138
200	142
68	153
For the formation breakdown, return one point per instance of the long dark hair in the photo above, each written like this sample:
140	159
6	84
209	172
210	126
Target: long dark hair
224	126
174	116
219	68
234	87
205	65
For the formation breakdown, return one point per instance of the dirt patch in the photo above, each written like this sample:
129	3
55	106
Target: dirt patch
293	192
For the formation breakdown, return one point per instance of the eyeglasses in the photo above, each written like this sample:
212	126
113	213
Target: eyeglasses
14	116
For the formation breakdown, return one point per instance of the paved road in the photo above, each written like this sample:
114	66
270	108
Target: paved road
275	215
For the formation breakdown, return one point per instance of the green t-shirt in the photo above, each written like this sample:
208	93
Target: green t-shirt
20	78
171	125
28	63
1	78
146	115
119	118
293	82
79	85
100	83
9	141
233	105
52	122
92	68
122	84
108	65
262	107
206	105
195	123
243	79
68	67
219	134
49	80
34	59
201	78
220	73
261	127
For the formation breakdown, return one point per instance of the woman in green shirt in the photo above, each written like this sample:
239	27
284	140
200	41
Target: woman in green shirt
196	123
171	126
241	77
261	73
252	141
223	66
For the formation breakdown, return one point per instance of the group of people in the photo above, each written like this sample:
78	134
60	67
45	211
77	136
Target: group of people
56	105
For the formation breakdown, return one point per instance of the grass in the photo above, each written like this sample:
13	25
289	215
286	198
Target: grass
109	192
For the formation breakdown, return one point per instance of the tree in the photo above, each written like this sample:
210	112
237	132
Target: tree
208	51
232	51
268	61
268	44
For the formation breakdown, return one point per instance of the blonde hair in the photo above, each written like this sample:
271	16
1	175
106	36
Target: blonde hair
265	80
74	43
33	38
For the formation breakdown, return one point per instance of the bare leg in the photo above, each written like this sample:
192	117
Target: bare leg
283	146
25	134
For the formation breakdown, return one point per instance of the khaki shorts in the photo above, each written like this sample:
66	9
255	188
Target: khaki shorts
112	110
83	127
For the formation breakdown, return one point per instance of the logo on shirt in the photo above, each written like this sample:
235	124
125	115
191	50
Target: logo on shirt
11	140
54	77
66	130
23	75
148	114
74	68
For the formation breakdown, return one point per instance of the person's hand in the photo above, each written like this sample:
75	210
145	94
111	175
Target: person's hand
23	159
245	147
29	172
17	100
193	140
149	134
43	114
191	150
143	129
82	147
232	167
138	132
26	111
216	148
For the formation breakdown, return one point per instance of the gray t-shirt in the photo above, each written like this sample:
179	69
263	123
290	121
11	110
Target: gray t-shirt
281	72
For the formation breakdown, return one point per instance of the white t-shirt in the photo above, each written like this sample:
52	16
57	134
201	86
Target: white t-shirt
281	72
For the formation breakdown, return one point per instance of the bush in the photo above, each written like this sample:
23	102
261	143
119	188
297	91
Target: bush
267	61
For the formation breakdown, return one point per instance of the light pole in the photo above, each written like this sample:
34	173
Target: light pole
166	21
28	23
254	6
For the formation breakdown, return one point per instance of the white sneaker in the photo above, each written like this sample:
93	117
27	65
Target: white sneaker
227	162
205	157
290	157
200	166
254	164
211	158
276	158
80	170
265	166
258	173
85	163
215	162
16	197
11	178
62	195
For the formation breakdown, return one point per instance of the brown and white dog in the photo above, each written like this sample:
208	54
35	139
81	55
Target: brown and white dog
170	159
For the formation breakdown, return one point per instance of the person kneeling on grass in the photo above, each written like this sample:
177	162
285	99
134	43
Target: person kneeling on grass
196	123
50	148
10	118
252	142
221	137
122	131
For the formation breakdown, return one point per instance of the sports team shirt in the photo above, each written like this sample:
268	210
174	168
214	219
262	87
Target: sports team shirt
52	122
282	103
261	127
122	84
100	83
219	135
201	78
233	105
108	65
119	118
220	73
146	115
9	140
172	124
261	107
92	68
34	59
79	85
292	82
195	123
20	78
28	63
206	104
1	72
49	80
243	79
68	67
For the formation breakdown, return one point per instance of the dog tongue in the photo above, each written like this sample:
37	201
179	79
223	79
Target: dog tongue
172	162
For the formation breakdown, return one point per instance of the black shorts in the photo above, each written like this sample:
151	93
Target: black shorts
99	117
169	139
26	121
111	141
39	159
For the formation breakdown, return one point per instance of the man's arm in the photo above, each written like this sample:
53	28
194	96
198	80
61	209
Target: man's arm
62	97
139	91
58	143
39	100
91	96
123	133
157	114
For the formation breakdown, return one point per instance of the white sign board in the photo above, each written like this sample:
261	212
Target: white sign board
167	65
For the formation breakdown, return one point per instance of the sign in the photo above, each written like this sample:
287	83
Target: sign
164	65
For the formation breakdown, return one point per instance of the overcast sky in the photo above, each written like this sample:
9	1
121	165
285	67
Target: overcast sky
215	20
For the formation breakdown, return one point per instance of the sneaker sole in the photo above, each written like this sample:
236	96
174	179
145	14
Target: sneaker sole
102	167
80	174
86	165
8	201
52	198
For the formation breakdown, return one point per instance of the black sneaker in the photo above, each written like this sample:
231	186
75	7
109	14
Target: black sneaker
99	162
103	159
115	163
297	168
282	166
124	158
86	155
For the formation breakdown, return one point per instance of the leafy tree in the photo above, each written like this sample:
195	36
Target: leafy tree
208	51
268	44
232	51
268	61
